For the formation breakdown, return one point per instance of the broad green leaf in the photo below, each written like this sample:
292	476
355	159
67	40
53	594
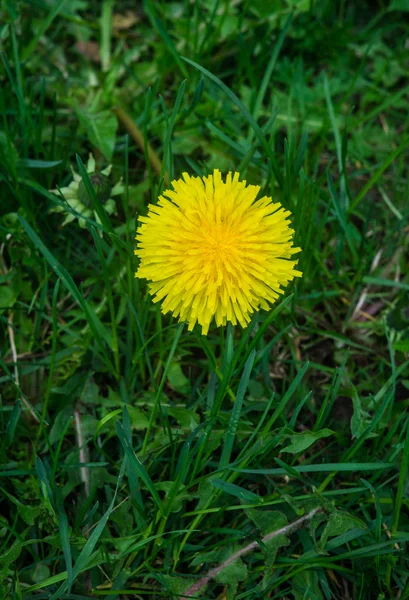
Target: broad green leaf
302	441
101	129
28	513
339	522
231	576
9	557
267	520
138	419
177	379
234	573
358	421
176	585
402	345
8	296
39	572
187	419
360	418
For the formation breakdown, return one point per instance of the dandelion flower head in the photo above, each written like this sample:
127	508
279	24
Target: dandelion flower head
210	250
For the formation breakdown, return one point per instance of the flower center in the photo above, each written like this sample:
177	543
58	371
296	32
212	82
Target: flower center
219	252
219	241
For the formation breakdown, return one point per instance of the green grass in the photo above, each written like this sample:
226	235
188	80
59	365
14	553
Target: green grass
135	456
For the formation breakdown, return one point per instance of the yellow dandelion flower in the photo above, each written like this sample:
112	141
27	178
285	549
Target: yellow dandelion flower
210	250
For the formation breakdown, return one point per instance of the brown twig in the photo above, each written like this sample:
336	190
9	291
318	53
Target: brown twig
196	587
13	347
83	451
10	331
137	136
358	308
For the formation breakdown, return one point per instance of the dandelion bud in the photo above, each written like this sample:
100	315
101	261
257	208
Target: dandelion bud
101	185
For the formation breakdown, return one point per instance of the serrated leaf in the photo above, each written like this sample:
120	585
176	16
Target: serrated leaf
358	419
176	585
268	521
232	574
305	439
314	524
101	129
28	513
339	522
9	557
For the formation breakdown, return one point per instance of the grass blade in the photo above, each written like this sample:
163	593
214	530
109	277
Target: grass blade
268	72
247	115
135	464
322	468
377	175
95	325
161	386
235	413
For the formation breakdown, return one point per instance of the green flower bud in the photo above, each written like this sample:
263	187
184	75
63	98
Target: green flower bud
101	185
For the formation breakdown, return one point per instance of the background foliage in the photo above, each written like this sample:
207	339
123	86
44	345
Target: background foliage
136	456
